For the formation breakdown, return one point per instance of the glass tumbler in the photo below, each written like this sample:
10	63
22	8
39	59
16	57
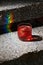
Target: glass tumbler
25	31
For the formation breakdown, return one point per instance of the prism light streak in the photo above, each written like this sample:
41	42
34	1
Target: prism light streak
6	29
9	18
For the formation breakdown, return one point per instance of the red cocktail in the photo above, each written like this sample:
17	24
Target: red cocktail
25	32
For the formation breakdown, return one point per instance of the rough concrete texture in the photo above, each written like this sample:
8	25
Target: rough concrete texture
28	11
11	47
27	59
22	11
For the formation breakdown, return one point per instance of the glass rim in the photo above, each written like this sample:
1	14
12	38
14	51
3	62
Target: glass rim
24	24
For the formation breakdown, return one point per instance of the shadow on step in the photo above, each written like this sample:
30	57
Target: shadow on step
34	58
13	26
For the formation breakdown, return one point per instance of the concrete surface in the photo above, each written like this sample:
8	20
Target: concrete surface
33	58
11	47
22	11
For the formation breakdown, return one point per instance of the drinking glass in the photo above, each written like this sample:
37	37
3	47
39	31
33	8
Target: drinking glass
24	31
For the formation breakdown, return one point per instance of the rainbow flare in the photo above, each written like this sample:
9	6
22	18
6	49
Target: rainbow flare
9	18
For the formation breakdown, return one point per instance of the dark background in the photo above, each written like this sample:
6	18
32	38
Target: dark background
13	1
